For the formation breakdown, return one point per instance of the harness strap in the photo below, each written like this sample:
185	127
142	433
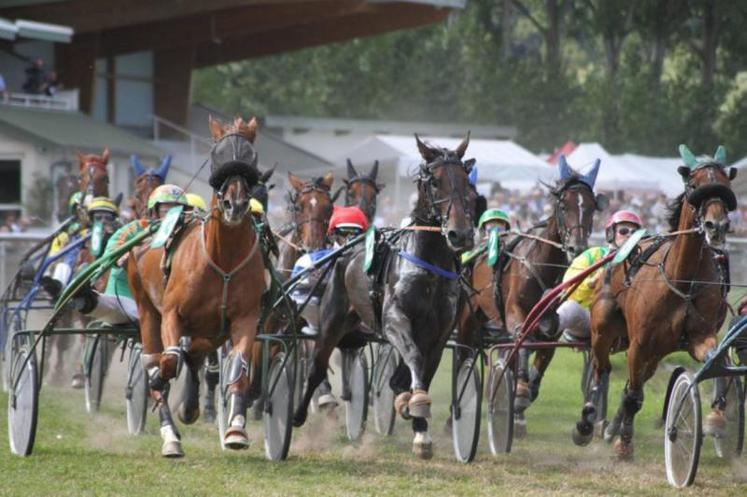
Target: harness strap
450	275
225	276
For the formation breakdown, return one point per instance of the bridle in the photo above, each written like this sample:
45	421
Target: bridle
565	232
295	210
367	181
426	179
701	196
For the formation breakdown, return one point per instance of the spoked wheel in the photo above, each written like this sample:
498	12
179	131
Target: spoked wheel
500	409
355	375
465	411
730	445
10	325
683	433
23	398
97	353
136	391
278	408
383	395
303	364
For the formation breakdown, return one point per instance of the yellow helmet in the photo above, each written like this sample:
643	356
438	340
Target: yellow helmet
196	201
255	206
103	204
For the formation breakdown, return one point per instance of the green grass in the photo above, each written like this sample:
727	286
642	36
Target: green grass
78	454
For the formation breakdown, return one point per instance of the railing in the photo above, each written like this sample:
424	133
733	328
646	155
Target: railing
163	126
63	100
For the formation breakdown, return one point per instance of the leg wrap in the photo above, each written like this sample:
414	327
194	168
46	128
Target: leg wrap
238	366
632	401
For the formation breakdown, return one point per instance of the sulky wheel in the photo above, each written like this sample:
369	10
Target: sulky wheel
136	391
500	409
355	377
97	352
278	408
23	397
382	395
730	446
683	432
465	411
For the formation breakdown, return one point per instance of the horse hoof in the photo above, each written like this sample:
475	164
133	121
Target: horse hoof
77	381
209	414
623	450
327	400
236	439
715	424
520	426
187	416
299	419
422	446
400	404
610	433
523	397
419	404
172	449
582	434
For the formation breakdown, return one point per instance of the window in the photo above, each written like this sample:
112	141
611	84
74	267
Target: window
10	182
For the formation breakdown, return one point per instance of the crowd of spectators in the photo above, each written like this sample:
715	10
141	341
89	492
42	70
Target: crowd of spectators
13	222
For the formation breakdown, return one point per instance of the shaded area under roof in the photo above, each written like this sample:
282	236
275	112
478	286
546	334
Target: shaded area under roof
75	130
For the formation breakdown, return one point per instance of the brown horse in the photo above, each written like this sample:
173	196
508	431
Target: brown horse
362	190
672	294
146	180
530	266
93	174
213	292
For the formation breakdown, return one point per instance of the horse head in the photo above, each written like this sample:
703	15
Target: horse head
310	203
445	197
234	172
93	174
147	180
362	190
575	203
708	194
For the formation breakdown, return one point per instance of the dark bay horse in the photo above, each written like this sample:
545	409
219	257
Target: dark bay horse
214	289
362	190
675	297
146	180
529	267
414	305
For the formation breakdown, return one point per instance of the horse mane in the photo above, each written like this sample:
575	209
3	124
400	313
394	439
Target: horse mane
674	211
242	128
563	184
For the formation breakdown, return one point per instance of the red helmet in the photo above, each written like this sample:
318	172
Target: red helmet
347	217
620	217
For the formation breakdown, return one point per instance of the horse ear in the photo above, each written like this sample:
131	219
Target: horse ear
328	179
687	157
295	181
118	199
265	177
684	172
136	165
426	152
591	176
216	129
337	194
352	173
564	169
252	129
732	173
374	171
105	155
720	155
602	201
163	169
462	148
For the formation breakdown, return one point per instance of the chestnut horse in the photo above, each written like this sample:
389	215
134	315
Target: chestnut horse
414	305
674	296
146	180
530	266
362	190
213	292
94	177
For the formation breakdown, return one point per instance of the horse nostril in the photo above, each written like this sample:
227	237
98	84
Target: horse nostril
226	204
709	225
452	236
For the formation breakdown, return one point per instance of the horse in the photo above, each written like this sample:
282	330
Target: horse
672	294
414	304
213	292
362	190
146	180
93	174
528	267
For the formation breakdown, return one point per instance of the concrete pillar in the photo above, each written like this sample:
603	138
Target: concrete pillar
172	77
75	63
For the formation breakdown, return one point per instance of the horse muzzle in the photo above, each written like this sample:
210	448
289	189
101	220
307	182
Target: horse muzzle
234	213
715	233
460	240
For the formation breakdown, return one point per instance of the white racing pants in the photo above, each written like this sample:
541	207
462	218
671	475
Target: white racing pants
114	309
575	318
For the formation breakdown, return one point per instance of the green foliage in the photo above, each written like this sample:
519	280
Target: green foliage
633	75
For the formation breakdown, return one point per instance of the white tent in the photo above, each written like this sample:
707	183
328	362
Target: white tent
662	170
614	173
497	160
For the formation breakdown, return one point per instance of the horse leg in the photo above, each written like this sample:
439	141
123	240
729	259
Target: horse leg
212	376
189	410
243	333
542	359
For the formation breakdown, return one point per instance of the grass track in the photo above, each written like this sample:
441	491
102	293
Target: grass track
77	454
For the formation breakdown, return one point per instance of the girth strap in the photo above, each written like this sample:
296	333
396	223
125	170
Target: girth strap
225	276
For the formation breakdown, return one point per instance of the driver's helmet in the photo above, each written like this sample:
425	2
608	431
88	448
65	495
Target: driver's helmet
621	216
102	206
347	221
166	194
494	215
196	202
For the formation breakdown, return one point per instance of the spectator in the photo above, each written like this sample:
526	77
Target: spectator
35	77
51	84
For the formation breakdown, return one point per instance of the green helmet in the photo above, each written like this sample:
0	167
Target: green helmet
75	200
494	215
167	194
